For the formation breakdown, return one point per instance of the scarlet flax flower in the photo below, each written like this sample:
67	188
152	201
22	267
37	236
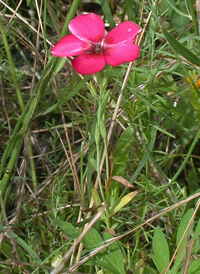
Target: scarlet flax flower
92	50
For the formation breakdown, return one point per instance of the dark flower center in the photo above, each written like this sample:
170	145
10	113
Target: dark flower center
96	48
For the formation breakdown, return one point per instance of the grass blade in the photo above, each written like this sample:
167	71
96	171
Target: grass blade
187	54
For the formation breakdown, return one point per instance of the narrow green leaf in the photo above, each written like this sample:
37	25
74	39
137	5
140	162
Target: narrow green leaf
108	14
164	131
105	100
129	9
120	156
146	155
194	17
123	202
70	16
187	54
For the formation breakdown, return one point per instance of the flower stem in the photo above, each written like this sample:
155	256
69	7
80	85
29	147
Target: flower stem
101	131
97	133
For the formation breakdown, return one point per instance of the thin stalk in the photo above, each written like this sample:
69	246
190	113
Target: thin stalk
32	164
81	174
107	158
101	131
102	114
45	23
100	185
97	140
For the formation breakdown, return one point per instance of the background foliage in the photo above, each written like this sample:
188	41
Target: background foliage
52	216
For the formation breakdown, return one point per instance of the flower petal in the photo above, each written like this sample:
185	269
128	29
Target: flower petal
121	53
125	31
69	45
88	63
88	27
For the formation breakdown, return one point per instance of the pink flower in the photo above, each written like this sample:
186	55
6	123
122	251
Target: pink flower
92	49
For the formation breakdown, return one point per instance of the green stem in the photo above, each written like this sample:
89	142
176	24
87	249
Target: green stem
82	176
97	140
101	131
32	164
100	184
101	116
106	152
45	23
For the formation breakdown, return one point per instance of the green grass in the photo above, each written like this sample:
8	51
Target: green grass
99	179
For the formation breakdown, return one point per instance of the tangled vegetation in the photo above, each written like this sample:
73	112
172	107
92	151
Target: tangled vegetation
100	173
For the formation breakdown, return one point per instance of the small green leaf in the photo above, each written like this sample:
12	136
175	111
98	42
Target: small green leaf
104	101
96	134
181	230
164	131
194	267
92	90
197	231
102	129
183	225
193	180
139	266
96	197
67	228
114	256
160	249
124	201
56	259
92	239
181	49
93	163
